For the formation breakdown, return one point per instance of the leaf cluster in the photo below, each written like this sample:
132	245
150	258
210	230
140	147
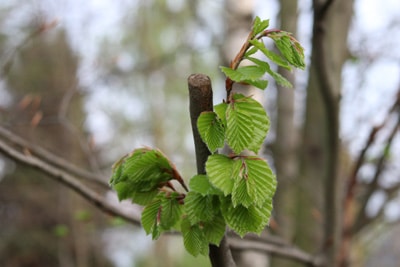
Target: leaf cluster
238	188
291	54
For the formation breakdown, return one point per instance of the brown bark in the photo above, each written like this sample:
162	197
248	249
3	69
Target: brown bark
320	194
200	95
285	146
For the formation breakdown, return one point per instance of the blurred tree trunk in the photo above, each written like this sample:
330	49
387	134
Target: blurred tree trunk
285	146
319	186
52	226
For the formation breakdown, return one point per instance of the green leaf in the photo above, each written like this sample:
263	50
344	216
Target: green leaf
259	25
149	218
200	208
261	84
244	220
259	117
255	183
141	174
240	194
247	124
211	130
271	55
193	238
277	77
240	127
220	109
290	48
220	171
214	231
201	184
171	210
251	51
162	214
243	73
143	198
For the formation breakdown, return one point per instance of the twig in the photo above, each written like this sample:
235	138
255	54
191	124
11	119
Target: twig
287	252
51	158
68	180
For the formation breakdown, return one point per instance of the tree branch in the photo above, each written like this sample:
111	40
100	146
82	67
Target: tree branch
200	95
283	251
68	180
52	159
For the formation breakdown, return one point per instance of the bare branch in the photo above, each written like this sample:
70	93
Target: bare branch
51	158
68	180
361	220
287	252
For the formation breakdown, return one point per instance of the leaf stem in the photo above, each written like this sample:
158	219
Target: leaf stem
240	56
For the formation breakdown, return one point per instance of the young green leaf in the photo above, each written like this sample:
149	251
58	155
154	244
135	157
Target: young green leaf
220	170
240	128
241	194
193	238
220	110
271	55
200	208
244	220
259	25
290	48
261	84
201	184
255	183
171	210
277	77
150	220
243	73
215	230
211	130
141	174
247	124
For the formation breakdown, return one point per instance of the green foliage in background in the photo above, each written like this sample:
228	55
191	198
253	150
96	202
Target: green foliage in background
238	188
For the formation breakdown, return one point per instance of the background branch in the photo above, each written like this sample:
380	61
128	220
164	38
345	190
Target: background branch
51	159
69	180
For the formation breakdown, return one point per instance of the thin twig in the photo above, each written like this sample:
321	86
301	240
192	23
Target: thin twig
68	180
51	158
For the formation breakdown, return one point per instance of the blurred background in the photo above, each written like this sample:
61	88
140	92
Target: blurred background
91	80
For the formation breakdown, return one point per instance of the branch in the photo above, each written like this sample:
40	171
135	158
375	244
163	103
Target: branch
200	95
68	180
361	221
287	252
51	159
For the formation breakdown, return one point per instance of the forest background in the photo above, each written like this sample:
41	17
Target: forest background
89	82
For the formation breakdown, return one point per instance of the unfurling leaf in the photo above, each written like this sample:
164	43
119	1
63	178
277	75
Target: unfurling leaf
194	239
290	48
259	25
141	174
163	214
277	59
